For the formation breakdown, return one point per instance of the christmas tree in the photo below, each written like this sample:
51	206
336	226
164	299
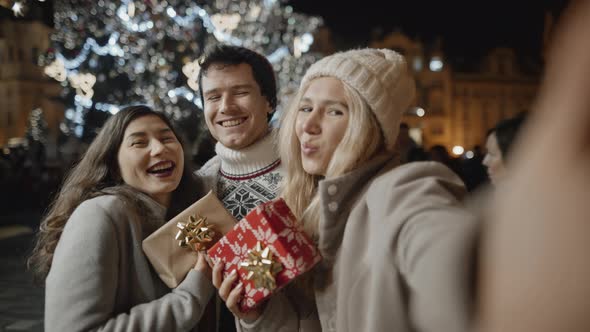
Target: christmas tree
37	132
109	54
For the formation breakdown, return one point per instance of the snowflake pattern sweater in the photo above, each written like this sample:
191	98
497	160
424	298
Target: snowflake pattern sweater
245	178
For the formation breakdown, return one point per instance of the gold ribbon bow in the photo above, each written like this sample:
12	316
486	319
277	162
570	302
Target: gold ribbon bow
262	267
195	233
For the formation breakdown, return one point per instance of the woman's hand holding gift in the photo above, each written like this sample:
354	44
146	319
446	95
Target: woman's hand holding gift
231	293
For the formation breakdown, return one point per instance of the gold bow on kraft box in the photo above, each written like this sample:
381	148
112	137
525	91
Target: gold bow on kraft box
172	249
195	233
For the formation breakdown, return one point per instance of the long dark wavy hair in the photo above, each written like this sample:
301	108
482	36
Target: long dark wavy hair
98	174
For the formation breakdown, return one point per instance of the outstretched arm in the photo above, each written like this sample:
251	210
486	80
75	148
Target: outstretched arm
536	269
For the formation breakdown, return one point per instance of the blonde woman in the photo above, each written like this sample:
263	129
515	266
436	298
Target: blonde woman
396	243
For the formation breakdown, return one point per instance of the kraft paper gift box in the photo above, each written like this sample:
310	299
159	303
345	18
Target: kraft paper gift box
172	249
268	248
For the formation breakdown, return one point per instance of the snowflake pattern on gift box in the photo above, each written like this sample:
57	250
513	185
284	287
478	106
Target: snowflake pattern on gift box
251	292
265	236
264	224
295	249
293	232
222	243
293	229
240	250
294	268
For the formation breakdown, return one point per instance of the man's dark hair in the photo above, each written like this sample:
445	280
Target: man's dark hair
235	55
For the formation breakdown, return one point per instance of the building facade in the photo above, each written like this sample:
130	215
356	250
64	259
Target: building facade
454	108
23	86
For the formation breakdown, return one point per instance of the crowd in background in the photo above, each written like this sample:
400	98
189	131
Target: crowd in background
29	181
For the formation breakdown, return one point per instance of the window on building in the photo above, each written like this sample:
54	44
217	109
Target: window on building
437	129
436	63
34	55
438	85
11	54
21	55
8	119
501	68
417	63
435	101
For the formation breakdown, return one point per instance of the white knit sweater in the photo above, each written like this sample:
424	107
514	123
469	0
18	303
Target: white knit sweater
244	178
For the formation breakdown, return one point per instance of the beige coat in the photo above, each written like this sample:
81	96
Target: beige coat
398	250
100	279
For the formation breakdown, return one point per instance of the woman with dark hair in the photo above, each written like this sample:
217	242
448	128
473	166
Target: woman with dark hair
88	251
498	144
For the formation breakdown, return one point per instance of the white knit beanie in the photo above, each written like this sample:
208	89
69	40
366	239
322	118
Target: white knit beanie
380	76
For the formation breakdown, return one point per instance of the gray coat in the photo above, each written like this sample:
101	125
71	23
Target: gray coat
208	174
100	279
398	250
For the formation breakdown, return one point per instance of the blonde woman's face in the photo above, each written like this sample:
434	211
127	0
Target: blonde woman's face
321	122
150	158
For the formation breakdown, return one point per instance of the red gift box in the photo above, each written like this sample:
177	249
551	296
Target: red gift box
273	226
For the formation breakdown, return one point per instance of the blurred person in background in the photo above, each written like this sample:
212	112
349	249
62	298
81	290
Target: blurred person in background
498	144
439	153
405	144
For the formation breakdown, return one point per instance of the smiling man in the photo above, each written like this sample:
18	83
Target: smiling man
238	91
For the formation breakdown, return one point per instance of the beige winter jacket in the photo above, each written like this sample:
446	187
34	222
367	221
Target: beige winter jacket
398	251
100	279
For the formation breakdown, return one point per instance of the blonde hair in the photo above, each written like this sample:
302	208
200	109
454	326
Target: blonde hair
362	140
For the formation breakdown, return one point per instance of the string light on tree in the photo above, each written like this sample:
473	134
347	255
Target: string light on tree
37	130
83	84
56	70
191	71
16	6
19	7
302	44
254	12
225	23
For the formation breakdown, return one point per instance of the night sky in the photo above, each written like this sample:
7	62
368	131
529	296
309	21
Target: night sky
468	28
